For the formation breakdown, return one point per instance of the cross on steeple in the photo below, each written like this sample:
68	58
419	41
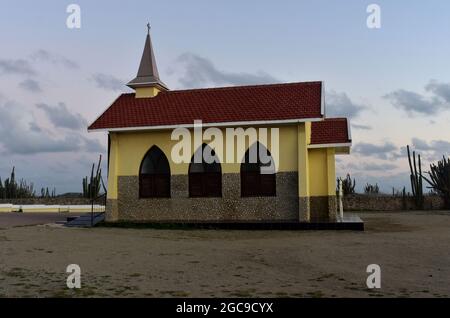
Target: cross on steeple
148	28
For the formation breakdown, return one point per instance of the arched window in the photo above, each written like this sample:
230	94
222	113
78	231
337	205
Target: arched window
258	176
154	175
205	176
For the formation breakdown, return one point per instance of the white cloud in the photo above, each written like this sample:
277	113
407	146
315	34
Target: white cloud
340	105
108	82
198	71
60	116
414	103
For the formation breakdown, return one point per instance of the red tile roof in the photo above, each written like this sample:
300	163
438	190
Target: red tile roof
215	105
330	131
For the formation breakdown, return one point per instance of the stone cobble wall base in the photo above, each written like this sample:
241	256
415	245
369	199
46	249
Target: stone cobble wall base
388	203
230	207
112	210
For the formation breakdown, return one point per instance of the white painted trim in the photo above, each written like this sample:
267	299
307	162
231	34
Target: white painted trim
143	84
322	100
147	84
349	129
336	145
220	124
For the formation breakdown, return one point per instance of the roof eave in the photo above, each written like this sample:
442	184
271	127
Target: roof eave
331	145
217	124
340	148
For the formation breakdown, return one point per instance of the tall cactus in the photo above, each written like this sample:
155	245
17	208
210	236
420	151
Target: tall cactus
91	186
439	179
348	187
416	179
2	190
13	183
11	189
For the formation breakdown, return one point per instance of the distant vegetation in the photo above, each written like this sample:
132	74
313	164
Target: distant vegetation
438	178
371	189
91	186
13	189
399	193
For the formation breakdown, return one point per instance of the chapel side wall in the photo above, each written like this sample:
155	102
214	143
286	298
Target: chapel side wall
133	147
310	197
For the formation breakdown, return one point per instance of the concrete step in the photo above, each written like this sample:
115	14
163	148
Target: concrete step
85	220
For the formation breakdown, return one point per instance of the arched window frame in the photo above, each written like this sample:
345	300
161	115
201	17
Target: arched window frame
155	184
206	181
253	182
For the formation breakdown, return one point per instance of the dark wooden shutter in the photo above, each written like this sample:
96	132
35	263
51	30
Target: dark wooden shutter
256	184
213	184
205	184
244	191
195	185
205	179
145	186
161	185
154	186
267	184
154	177
253	183
250	183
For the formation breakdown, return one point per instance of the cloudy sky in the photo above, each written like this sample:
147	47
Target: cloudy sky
393	82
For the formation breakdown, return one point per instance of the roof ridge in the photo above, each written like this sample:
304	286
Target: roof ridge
220	88
241	86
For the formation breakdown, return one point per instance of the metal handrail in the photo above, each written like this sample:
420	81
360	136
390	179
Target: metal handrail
92	206
98	197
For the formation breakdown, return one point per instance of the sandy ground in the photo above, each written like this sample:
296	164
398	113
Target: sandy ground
412	248
8	220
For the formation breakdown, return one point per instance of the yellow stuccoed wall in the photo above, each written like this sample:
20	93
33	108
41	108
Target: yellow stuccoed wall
316	165
317	172
303	139
144	92
322	171
134	145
